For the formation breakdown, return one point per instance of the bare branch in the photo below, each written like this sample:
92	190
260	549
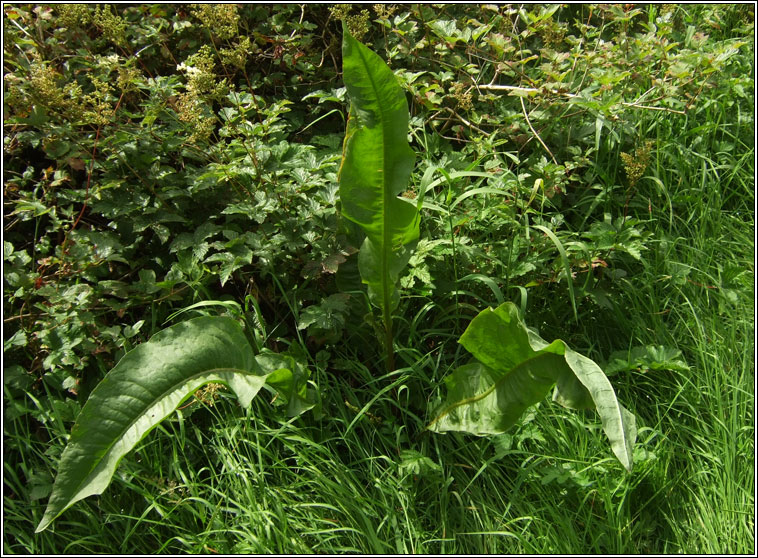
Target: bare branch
523	107
466	122
519	89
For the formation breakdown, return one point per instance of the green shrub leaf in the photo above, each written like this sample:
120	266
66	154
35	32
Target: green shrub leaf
514	369
148	384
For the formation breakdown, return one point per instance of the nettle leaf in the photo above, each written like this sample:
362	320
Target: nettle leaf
149	383
415	463
237	257
515	369
330	314
196	240
376	167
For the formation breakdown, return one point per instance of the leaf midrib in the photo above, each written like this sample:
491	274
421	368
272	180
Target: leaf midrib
478	397
97	464
166	392
384	258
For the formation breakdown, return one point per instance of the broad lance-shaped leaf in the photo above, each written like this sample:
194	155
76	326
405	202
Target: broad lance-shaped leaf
376	166
515	369
148	384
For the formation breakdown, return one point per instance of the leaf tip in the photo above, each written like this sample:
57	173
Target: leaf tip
44	523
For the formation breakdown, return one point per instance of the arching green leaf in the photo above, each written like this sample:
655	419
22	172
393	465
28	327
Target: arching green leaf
514	369
148	384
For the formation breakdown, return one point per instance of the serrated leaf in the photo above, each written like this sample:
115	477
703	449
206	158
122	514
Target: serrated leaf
413	462
515	369
330	314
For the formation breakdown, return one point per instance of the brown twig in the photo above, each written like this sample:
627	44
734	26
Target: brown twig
519	89
89	180
466	122
523	108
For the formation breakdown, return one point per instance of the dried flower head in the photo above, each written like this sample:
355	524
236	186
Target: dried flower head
358	24
635	164
237	55
462	97
99	107
384	11
219	19
201	80
74	16
209	393
127	78
113	27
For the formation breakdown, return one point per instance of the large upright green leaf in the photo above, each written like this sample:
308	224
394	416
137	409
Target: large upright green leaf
514	369
376	166
148	384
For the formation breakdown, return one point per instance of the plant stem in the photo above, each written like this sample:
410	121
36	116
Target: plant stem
387	318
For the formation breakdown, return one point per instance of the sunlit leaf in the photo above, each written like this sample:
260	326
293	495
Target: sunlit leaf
376	166
515	369
148	384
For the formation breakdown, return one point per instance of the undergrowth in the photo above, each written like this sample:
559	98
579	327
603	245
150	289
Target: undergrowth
156	158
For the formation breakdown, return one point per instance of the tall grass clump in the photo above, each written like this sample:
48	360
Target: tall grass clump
591	164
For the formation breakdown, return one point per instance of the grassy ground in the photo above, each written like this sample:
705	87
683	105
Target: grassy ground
229	482
368	478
